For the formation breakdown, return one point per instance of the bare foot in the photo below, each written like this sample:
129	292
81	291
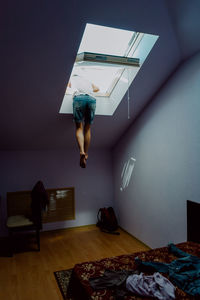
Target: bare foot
86	156
82	160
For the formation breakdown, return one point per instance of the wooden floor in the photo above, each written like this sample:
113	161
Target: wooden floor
29	275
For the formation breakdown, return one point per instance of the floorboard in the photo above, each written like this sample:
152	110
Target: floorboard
29	274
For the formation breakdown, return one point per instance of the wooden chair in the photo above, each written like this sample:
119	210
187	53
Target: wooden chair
24	213
21	223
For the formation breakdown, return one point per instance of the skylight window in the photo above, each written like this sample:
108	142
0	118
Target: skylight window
113	79
103	40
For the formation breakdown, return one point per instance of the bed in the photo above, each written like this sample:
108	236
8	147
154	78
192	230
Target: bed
80	288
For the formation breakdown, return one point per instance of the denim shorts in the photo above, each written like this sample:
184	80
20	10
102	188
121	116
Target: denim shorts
84	108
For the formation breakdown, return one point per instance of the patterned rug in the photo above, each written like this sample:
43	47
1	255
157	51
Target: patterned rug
63	278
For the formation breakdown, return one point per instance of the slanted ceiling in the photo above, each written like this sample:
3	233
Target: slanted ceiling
39	42
186	24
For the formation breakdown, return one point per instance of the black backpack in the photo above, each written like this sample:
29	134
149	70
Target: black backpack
107	221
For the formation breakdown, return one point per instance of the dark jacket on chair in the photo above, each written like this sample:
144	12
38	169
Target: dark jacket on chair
40	200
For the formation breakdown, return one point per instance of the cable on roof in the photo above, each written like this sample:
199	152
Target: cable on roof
128	96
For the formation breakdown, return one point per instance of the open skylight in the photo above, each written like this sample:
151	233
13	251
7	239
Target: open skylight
113	79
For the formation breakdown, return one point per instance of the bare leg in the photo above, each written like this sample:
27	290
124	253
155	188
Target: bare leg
87	138
80	141
80	137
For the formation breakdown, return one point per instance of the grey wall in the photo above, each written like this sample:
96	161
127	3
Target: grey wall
165	141
93	186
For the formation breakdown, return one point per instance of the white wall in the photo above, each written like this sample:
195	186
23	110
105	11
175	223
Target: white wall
20	170
165	141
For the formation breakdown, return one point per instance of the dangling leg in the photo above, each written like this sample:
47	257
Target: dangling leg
80	141
90	112
80	137
87	138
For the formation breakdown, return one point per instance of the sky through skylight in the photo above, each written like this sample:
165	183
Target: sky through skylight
105	40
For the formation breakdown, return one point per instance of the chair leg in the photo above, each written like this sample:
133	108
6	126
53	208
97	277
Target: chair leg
38	238
11	244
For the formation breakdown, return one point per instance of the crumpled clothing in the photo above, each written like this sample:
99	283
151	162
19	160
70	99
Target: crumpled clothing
183	272
112	279
124	281
109	279
155	285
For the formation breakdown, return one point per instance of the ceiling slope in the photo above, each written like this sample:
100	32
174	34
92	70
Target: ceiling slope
186	23
39	42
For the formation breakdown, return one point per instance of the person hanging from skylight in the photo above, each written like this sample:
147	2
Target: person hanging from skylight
84	106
